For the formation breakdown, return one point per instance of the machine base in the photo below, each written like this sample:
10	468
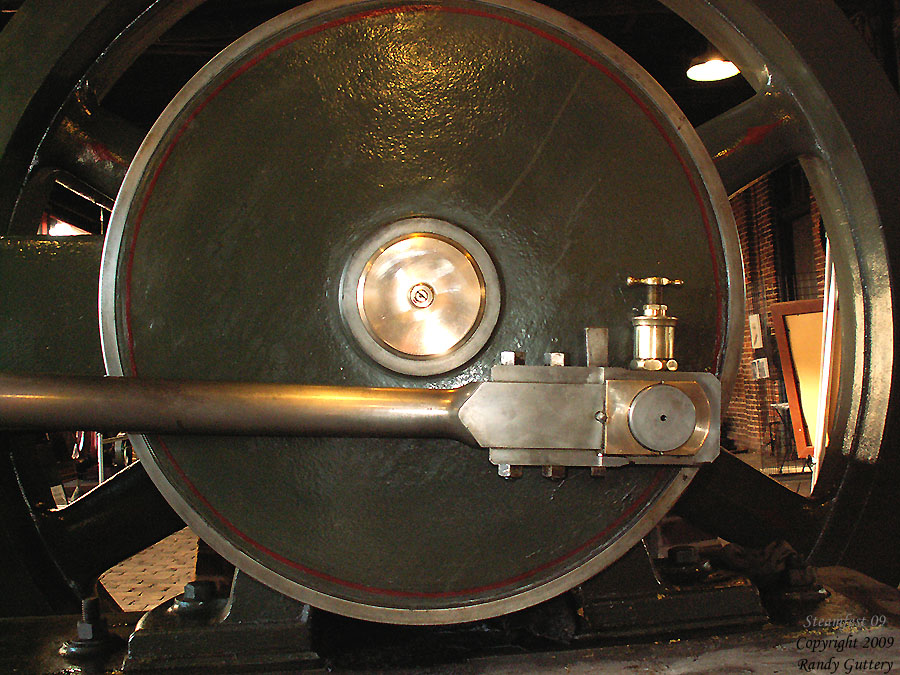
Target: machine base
255	629
865	614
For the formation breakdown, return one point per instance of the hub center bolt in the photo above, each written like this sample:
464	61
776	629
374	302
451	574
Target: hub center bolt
421	296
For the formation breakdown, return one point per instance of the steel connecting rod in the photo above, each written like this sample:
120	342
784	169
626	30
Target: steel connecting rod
229	408
586	413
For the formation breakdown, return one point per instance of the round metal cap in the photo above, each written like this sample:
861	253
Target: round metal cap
421	297
662	418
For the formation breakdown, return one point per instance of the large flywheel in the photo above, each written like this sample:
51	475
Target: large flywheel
375	194
389	195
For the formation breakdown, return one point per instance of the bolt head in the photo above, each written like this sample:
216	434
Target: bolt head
421	295
553	472
509	471
647	364
199	591
601	417
554	359
512	358
92	630
684	555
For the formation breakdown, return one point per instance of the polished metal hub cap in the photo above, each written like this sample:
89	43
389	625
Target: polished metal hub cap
421	297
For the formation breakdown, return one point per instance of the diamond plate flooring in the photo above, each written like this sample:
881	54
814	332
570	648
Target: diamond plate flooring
155	574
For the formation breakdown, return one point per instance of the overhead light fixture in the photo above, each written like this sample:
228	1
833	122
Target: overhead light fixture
711	66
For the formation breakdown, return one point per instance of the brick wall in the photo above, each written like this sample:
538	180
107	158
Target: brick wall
818	247
746	418
746	421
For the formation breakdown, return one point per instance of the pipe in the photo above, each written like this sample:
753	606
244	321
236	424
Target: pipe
239	408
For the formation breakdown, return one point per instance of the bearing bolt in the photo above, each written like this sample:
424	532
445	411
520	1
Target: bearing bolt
509	471
553	472
554	359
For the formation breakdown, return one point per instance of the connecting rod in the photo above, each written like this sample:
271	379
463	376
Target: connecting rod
229	408
587	413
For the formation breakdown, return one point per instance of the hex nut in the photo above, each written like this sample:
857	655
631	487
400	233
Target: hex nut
684	555
554	359
654	364
199	591
90	608
92	630
553	472
508	358
509	471
647	364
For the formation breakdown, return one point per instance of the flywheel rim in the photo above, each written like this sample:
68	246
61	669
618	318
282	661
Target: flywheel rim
520	590
825	138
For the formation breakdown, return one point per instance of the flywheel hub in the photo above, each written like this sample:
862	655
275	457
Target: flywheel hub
421	297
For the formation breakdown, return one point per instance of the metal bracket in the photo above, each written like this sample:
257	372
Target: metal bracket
594	417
